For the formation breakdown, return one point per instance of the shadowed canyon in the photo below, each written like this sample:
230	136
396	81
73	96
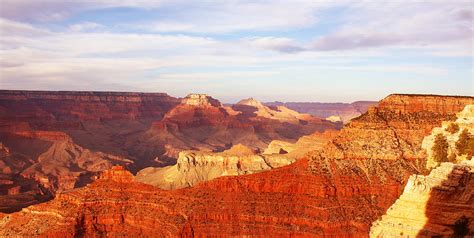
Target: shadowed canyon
148	164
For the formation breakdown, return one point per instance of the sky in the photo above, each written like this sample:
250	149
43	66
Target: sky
325	51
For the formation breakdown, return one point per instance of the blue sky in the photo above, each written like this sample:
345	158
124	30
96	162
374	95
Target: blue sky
328	51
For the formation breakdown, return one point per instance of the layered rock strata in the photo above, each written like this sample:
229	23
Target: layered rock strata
339	191
438	205
41	163
194	167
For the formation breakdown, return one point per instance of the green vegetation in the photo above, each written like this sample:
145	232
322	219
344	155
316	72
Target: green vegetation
440	148
465	144
452	128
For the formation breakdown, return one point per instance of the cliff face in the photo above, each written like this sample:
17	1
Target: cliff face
99	121
339	191
395	131
440	204
406	103
54	110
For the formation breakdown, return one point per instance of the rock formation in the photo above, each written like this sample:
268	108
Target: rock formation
438	205
99	121
338	191
194	167
202	123
148	128
60	140
280	113
200	100
305	144
344	111
41	163
197	166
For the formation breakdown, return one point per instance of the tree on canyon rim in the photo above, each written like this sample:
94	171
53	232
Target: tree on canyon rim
465	144
440	148
452	128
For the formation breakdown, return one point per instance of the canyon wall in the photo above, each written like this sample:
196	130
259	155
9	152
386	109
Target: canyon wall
438	205
338	191
63	109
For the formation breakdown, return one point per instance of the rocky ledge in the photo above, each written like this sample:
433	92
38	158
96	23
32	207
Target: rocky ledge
438	205
200	100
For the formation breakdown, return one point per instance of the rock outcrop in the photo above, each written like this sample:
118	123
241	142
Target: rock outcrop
194	167
201	100
41	163
438	205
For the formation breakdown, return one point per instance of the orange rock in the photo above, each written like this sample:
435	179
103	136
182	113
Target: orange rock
339	191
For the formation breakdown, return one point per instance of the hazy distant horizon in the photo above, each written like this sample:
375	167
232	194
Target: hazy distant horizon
289	51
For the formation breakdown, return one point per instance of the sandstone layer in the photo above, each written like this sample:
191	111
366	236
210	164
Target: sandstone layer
438	205
339	191
196	166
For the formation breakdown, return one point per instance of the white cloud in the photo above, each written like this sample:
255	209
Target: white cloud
85	26
281	44
10	28
54	10
402	23
88	55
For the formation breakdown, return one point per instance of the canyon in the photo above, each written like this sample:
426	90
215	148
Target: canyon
340	189
57	141
440	204
193	167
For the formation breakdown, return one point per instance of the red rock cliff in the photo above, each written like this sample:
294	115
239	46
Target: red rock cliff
338	192
49	109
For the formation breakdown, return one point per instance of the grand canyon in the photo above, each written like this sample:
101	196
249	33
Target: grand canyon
262	118
146	163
